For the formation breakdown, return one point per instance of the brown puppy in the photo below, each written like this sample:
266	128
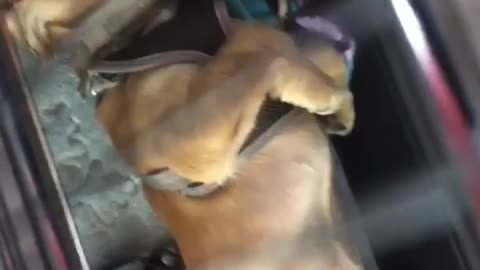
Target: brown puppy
195	128
273	215
193	120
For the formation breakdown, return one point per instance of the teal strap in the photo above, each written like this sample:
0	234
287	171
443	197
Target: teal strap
238	9
257	10
292	7
349	66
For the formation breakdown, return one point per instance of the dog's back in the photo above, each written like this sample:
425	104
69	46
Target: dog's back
279	196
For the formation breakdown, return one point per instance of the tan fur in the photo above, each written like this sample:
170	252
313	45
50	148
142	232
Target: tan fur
201	137
40	24
132	107
193	119
277	196
201	116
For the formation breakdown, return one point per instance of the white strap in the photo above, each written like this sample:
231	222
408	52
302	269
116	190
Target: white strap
150	61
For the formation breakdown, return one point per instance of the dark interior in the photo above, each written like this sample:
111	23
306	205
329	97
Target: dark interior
383	145
396	136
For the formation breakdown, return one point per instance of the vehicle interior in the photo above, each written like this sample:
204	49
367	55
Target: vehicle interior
407	176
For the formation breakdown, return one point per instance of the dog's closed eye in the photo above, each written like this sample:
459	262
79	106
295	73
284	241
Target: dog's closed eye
199	189
156	171
194	184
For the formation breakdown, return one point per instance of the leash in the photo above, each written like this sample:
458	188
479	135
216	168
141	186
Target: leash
226	22
167	58
272	113
96	82
150	61
316	24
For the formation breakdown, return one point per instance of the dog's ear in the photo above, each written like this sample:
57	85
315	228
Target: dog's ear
330	61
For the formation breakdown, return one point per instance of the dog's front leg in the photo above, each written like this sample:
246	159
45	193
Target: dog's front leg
300	83
209	130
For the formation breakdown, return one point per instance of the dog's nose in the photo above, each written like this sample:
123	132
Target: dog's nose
156	171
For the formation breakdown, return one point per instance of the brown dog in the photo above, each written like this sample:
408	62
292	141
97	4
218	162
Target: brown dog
194	128
192	121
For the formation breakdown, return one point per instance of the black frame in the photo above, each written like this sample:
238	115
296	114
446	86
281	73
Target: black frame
403	127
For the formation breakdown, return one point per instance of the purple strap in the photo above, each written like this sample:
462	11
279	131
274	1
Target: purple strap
344	43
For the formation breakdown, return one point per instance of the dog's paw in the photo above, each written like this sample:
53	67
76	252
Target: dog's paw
337	113
303	85
339	118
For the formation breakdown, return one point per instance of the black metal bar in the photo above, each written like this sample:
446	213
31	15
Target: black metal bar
454	127
449	27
